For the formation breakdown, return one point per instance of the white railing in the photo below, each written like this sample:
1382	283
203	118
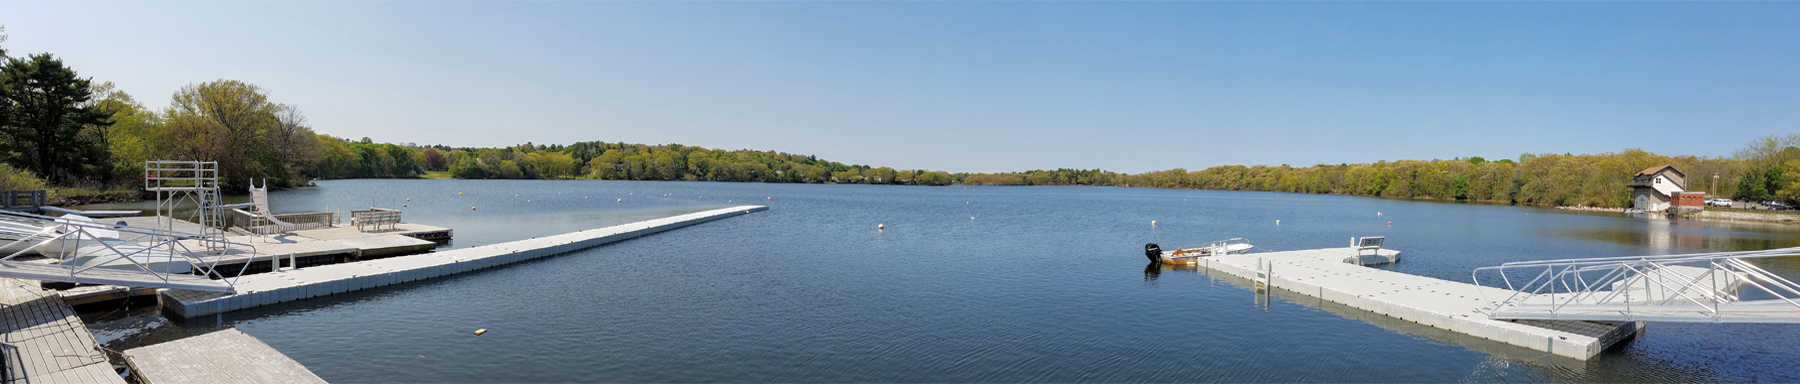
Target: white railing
137	245
1702	287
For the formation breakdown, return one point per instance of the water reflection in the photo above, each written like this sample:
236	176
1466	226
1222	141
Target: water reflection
1662	236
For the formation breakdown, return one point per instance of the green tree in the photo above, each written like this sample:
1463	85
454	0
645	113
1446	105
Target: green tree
227	121
47	120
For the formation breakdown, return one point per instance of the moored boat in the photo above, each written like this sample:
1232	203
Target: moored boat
1187	256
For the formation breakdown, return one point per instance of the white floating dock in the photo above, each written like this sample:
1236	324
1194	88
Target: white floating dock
292	285
1449	305
223	357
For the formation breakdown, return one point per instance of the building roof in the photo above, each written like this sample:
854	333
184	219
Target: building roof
1659	169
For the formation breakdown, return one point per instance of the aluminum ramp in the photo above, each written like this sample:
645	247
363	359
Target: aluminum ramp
1724	287
102	276
97	253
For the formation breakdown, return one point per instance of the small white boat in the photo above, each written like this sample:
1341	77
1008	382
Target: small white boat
52	239
1186	256
16	236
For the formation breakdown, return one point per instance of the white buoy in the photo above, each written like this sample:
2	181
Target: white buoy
880	226
1152	223
621	200
769	198
471	208
1278	222
1378	213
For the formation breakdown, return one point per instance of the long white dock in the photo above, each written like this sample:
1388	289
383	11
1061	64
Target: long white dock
223	357
293	285
1448	305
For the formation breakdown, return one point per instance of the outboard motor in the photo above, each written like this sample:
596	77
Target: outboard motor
1152	251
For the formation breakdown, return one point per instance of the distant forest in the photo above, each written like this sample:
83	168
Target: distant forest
63	131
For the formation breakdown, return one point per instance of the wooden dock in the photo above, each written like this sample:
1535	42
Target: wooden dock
42	341
1448	305
293	285
223	357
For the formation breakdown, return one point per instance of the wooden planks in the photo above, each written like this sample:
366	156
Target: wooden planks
43	341
223	357
292	285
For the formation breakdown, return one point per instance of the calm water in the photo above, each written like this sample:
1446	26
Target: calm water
1044	284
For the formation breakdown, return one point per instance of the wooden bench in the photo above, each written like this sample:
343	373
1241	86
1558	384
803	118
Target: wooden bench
375	218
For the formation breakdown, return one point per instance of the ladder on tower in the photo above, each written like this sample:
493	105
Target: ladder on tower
1718	287
188	187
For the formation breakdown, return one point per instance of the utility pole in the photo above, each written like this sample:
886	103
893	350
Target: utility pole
1715	187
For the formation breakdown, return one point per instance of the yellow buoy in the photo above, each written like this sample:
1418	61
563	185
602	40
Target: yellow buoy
458	193
1152	223
480	331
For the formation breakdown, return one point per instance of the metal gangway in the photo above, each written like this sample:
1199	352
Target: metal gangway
114	254
1718	287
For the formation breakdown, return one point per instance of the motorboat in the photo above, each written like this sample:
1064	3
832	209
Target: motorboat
1188	255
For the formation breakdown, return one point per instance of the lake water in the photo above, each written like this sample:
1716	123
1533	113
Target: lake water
966	284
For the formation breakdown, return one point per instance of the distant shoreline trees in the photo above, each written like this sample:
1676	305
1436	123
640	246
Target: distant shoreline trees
59	128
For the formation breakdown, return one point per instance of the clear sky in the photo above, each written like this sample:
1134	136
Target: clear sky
977	86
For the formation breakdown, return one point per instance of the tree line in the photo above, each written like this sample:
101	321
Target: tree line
60	129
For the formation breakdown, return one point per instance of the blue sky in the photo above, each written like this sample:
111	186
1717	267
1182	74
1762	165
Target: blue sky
977	86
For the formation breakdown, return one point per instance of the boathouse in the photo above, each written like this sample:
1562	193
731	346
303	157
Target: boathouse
1655	188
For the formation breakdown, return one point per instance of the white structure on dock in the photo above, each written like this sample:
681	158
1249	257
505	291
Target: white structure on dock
1447	305
1704	287
297	284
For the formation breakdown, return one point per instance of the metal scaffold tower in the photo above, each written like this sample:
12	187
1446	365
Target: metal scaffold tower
191	188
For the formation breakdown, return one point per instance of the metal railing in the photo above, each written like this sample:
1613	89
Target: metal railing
1701	287
257	224
21	200
137	245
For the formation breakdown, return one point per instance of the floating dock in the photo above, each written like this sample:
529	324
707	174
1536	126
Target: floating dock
223	357
315	246
1454	306
293	285
42	341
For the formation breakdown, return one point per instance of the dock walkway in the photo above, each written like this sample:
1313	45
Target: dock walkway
42	341
293	285
223	357
1449	305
